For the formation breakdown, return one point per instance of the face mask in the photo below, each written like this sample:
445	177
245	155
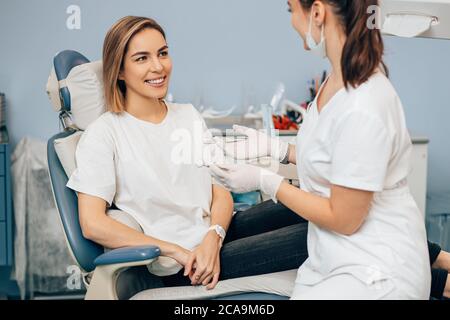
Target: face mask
316	48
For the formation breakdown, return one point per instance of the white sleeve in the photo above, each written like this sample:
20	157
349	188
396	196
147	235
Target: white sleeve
95	172
361	150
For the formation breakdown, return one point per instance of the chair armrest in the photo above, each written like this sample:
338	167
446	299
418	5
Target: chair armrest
110	264
128	254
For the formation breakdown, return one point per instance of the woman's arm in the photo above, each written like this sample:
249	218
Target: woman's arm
99	228
221	207
343	213
442	261
206	255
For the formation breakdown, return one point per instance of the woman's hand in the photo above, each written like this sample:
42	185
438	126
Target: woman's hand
180	254
247	178
257	145
203	266
216	275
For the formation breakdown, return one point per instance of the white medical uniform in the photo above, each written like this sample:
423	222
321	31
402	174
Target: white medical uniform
148	171
360	140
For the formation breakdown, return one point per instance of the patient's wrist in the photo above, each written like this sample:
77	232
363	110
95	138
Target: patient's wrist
211	235
169	249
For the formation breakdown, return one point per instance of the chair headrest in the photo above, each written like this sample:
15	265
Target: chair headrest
75	85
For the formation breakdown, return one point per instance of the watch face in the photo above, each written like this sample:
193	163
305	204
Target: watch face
220	231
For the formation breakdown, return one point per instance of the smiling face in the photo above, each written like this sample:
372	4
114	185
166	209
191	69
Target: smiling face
147	65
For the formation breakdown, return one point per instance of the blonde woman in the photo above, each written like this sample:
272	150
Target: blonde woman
128	157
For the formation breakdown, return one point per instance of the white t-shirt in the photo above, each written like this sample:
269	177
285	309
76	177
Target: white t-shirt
360	140
148	171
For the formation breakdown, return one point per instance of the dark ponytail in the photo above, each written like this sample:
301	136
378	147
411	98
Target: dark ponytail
363	51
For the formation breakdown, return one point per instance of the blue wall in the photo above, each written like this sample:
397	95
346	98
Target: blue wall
222	51
420	70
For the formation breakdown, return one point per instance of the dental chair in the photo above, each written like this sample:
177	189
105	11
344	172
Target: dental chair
75	89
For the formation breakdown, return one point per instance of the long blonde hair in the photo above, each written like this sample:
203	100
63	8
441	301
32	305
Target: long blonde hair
115	48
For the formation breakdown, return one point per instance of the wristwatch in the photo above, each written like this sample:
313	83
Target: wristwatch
219	230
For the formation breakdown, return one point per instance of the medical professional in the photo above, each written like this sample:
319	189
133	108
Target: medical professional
366	235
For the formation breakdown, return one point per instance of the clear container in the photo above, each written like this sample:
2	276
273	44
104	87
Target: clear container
267	112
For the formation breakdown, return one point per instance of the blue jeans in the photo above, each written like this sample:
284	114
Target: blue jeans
264	239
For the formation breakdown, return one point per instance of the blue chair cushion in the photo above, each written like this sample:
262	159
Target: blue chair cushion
84	251
130	254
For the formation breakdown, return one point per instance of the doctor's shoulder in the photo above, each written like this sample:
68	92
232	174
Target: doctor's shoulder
377	96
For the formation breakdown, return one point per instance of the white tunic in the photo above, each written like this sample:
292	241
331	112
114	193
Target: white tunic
148	171
360	140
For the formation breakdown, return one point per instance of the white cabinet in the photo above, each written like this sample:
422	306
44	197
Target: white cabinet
418	177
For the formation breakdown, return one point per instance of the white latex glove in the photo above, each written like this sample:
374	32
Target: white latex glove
257	145
209	152
247	178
